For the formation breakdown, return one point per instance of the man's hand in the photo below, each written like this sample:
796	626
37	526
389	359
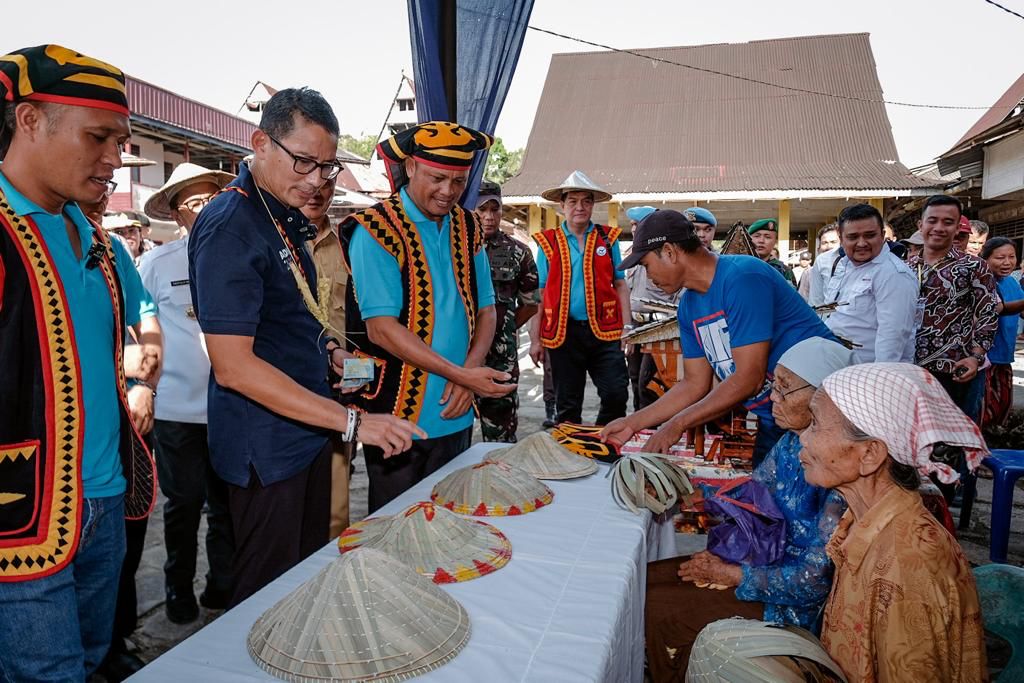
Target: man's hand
704	567
666	437
140	406
387	432
458	400
618	431
483	381
141	361
536	353
971	370
339	368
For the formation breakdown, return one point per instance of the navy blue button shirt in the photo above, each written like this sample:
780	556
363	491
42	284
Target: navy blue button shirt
241	285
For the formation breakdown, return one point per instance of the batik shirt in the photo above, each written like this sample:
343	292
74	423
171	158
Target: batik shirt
794	589
904	605
958	296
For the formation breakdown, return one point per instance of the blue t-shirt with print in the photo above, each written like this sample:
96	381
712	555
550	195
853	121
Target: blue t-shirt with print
1006	336
748	302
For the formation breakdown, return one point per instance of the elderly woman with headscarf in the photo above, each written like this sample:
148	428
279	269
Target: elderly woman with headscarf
903	604
792	590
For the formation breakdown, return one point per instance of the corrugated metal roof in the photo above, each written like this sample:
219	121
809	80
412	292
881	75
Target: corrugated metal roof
157	104
1003	107
636	125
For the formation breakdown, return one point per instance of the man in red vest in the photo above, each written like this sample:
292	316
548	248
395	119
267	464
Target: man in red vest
584	304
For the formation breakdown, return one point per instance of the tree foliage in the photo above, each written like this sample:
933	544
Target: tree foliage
362	145
502	164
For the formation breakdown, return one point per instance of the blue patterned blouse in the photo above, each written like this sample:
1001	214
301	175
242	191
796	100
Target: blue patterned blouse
794	589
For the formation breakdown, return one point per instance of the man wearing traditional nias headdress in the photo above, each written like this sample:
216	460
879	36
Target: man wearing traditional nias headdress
72	462
422	302
584	304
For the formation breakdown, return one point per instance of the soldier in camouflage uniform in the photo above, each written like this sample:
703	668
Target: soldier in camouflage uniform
514	273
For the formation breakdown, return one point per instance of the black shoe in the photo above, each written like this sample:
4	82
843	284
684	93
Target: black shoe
547	423
211	598
549	420
181	606
119	664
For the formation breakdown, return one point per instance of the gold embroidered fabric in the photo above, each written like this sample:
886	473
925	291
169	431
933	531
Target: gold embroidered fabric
904	606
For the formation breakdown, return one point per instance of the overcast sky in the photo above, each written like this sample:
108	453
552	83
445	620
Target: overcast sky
929	51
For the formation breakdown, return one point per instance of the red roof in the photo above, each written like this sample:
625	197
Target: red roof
997	113
154	103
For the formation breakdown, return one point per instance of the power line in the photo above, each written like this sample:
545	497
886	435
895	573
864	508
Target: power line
1005	9
748	79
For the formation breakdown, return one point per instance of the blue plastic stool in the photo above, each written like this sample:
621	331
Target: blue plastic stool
1007	467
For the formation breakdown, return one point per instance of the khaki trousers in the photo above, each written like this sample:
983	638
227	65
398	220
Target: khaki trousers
341	458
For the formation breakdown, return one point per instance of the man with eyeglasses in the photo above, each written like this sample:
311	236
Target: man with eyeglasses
258	299
186	476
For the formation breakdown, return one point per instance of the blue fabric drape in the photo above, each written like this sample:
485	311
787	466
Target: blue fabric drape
490	37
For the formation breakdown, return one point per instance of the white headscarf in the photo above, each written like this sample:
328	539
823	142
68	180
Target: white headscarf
816	358
907	408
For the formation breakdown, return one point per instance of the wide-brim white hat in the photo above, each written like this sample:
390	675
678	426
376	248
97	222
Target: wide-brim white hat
159	204
576	182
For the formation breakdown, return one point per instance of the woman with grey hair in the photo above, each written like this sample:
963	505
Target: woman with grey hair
793	589
904	605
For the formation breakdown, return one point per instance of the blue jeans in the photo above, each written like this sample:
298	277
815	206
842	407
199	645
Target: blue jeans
58	627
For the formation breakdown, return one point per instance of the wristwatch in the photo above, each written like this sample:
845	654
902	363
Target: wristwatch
980	357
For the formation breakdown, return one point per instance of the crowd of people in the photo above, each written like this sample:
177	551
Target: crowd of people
864	373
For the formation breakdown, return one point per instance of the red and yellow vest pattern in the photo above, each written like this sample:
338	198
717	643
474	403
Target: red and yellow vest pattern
399	387
604	312
41	430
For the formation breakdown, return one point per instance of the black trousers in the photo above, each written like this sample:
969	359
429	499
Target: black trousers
187	480
633	359
391	477
278	525
126	610
581	354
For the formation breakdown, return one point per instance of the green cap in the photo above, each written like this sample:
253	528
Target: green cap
763	224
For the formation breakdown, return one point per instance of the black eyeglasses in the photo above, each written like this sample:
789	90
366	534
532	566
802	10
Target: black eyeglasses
305	165
776	389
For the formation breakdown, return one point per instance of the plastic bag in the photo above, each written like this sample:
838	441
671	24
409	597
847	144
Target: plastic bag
752	530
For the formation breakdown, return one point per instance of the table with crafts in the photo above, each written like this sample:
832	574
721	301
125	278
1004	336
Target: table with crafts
567	607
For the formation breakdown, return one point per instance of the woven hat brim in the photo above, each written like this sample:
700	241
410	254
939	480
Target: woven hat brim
540	455
555	194
491	489
364	617
481	548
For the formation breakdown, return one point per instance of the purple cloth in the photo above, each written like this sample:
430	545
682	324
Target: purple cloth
752	530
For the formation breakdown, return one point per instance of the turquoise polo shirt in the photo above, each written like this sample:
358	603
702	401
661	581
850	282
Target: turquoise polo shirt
93	320
577	293
378	283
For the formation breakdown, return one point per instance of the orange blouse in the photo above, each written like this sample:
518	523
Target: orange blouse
903	606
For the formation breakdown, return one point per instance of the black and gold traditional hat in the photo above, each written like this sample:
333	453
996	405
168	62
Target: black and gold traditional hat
52	73
437	143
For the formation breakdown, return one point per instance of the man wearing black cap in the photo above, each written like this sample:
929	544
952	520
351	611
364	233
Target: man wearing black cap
514	275
736	318
72	462
422	303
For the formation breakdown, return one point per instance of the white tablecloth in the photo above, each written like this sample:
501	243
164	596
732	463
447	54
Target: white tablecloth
568	607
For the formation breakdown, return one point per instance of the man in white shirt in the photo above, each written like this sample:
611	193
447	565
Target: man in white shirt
877	291
183	461
825	265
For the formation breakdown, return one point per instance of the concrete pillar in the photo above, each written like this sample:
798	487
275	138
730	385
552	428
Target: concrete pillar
534	218
613	214
783	244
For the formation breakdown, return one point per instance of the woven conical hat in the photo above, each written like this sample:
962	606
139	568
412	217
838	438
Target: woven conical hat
364	617
576	182
491	488
540	455
436	543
